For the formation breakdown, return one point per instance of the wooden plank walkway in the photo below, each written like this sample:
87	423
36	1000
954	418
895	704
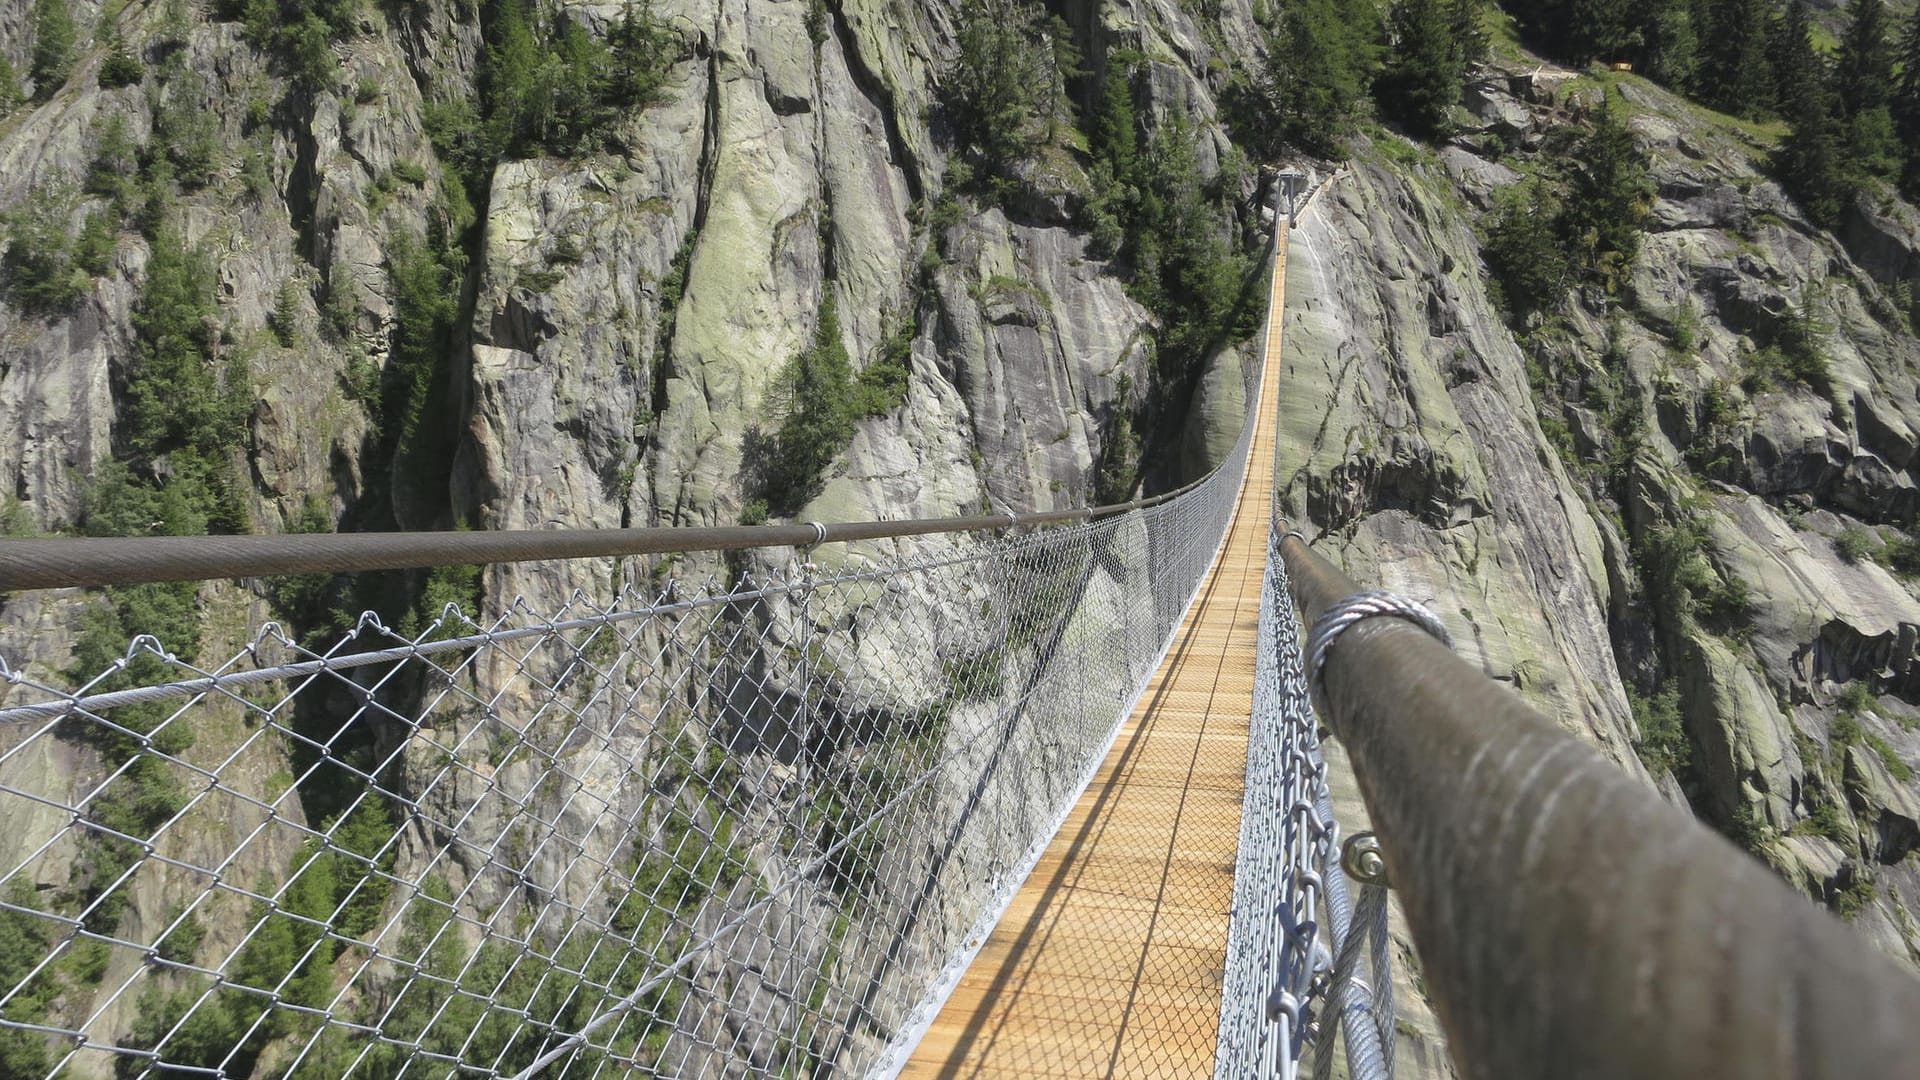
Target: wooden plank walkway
1109	961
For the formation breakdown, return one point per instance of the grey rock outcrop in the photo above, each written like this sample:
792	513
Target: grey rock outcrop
1488	476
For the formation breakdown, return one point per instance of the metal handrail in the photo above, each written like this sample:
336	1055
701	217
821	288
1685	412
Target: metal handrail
1569	922
95	562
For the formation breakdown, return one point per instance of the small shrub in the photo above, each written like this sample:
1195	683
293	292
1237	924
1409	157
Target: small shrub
1858	894
1663	743
1524	250
1826	820
882	387
1902	555
121	67
182	943
115	171
1686	328
1746	828
412	172
99	239
284	320
1855	699
1896	767
818	389
1854	543
39	261
1845	731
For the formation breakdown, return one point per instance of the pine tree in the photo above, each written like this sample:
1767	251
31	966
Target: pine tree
1808	159
999	79
1467	24
819	418
1609	195
1739	72
1062	61
1906	103
1320	61
1863	87
121	67
1113	135
640	56
53	41
1795	65
1116	159
1421	82
10	96
514	60
1599	30
1672	48
1863	69
1581	31
1523	246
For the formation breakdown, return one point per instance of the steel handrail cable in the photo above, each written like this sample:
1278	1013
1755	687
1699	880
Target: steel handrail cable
1569	921
85	562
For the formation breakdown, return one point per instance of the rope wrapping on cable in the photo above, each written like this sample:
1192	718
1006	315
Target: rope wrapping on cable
1342	615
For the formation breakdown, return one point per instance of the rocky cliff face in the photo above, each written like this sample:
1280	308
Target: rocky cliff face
1666	548
1613	512
602	345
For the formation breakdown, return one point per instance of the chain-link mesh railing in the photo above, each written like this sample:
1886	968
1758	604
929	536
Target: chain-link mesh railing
1292	915
739	826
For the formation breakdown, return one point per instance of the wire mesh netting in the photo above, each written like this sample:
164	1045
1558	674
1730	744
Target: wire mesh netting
745	825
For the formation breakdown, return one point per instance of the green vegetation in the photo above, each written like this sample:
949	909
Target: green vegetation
1683	583
182	420
1321	58
1435	43
10	96
551	87
1905	106
817	394
882	386
1179	235
187	132
24	938
1827	820
1663	743
1852	106
1578	220
1854	543
54	40
1118	472
1858	894
1007	85
1846	730
1523	247
1901	554
426	307
337	887
1795	355
1329	63
121	67
43	275
301	32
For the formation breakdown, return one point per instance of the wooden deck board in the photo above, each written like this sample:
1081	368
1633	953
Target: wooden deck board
1110	959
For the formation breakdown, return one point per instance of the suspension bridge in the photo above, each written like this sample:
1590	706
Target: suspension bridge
1033	795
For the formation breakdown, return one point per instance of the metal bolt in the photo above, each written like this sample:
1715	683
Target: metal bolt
1360	858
